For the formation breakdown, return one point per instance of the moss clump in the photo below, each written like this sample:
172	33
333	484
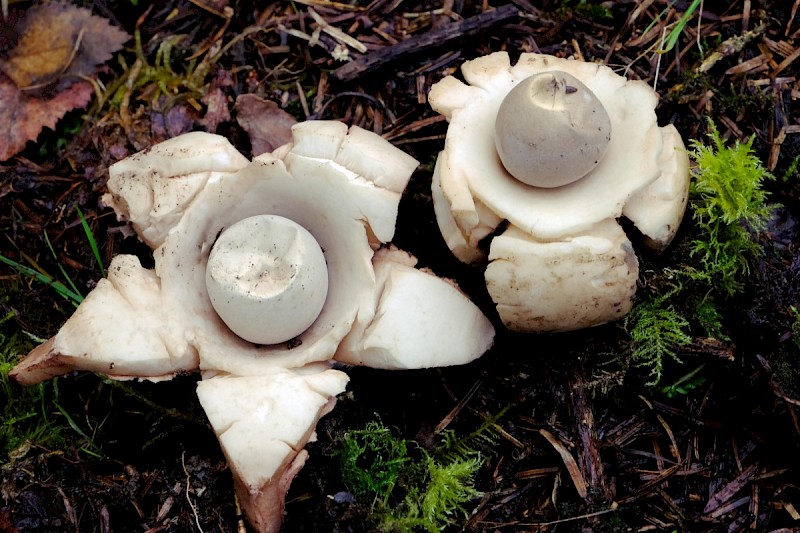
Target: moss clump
406	487
729	207
657	331
372	461
26	416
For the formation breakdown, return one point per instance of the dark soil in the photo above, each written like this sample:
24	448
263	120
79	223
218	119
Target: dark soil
720	457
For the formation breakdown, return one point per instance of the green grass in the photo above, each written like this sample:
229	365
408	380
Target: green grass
67	290
685	383
62	290
33	415
672	36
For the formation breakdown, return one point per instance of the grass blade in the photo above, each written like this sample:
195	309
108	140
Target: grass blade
60	266
92	240
73	297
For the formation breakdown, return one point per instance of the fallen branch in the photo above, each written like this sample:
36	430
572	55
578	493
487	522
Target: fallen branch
420	43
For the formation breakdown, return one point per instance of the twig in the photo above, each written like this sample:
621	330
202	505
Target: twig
189	498
459	406
422	43
539	525
588	454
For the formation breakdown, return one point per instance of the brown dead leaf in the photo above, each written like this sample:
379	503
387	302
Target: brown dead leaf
268	125
216	101
60	42
171	123
22	117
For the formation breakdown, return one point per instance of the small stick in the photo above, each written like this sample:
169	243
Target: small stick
420	43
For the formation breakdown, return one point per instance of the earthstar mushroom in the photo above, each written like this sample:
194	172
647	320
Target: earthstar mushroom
543	157
264	272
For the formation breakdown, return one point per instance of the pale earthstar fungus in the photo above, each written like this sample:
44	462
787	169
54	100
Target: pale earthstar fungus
541	160
236	245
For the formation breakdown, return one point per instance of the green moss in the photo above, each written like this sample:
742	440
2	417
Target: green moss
406	487
729	207
657	332
792	171
433	504
593	11
734	102
26	416
597	12
710	318
151	80
372	461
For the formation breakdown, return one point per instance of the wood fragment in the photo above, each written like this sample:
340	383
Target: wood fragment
536	472
625	432
526	6
709	346
751	65
789	508
791	17
781	47
645	488
341	6
746	15
569	462
589	460
730	489
786	62
73	517
671	503
673	444
731	46
725	509
413	127
449	417
423	43
336	33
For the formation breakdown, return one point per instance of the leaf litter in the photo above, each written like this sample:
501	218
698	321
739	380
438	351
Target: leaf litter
58	47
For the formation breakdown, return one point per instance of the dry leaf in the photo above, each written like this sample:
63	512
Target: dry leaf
60	42
216	101
58	45
171	123
267	125
23	117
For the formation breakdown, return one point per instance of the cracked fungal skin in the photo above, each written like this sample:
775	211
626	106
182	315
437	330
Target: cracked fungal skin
542	158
